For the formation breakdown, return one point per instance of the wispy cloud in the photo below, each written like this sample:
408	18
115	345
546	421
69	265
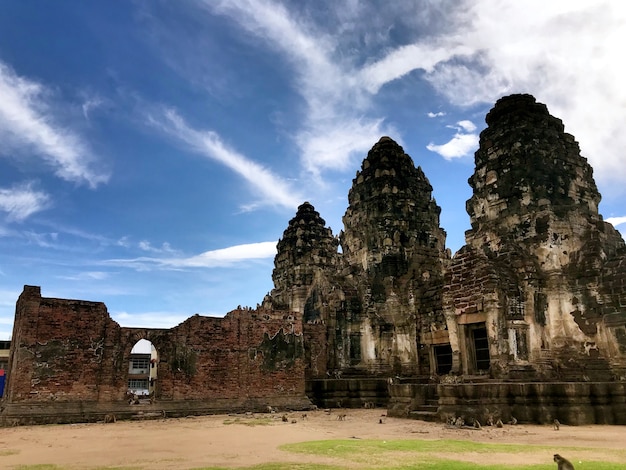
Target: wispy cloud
209	259
271	188
21	201
336	127
463	143
27	121
87	276
145	245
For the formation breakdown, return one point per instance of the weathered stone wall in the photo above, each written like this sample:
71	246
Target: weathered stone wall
69	355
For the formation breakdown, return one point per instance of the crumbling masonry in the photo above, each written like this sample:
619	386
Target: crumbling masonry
528	319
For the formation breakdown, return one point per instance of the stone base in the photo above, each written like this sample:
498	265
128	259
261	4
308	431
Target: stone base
14	414
531	402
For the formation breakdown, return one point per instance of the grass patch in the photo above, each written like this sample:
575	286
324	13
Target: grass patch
413	454
346	447
8	452
250	421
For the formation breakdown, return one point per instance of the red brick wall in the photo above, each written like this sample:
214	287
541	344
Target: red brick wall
71	350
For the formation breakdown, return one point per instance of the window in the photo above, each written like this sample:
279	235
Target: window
138	384
140	362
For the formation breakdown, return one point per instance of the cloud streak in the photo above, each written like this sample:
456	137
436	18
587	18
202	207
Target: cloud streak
223	257
28	121
272	189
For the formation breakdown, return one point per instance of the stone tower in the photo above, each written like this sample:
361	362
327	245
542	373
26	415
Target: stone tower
306	261
394	244
524	295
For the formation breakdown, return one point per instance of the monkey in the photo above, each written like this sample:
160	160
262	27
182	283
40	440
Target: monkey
477	424
459	422
513	420
305	416
285	419
556	424
563	463
341	417
109	419
499	423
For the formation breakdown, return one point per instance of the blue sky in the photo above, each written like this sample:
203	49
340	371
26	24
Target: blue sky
153	152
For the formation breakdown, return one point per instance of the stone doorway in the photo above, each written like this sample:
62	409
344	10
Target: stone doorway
443	358
478	348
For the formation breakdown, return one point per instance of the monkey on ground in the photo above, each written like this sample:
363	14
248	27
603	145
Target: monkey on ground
557	424
563	463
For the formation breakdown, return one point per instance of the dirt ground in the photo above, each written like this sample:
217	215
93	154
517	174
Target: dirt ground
230	440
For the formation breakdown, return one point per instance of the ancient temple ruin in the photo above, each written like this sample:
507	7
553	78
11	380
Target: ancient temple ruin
527	319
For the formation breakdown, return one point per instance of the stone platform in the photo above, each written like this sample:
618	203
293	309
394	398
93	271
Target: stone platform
572	403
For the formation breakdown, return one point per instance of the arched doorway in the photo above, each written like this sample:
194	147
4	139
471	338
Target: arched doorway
142	372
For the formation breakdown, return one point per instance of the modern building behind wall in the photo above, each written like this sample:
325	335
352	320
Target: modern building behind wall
5	347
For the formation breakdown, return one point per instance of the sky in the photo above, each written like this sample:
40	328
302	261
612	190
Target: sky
153	152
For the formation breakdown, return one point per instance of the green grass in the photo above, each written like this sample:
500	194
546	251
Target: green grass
250	421
424	454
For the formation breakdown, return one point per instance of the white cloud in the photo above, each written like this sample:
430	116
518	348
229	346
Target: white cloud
615	221
28	122
437	114
467	126
272	189
463	143
21	201
407	58
209	259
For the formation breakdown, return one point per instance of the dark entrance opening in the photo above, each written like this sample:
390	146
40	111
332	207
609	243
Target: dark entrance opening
481	348
443	358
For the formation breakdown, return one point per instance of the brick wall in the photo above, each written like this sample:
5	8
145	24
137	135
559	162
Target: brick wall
72	351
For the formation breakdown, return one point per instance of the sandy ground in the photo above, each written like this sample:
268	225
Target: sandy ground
226	440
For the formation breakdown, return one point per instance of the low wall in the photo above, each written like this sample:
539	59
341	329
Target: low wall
14	414
570	403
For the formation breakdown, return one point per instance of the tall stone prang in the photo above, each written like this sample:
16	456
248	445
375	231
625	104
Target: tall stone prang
394	244
524	297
